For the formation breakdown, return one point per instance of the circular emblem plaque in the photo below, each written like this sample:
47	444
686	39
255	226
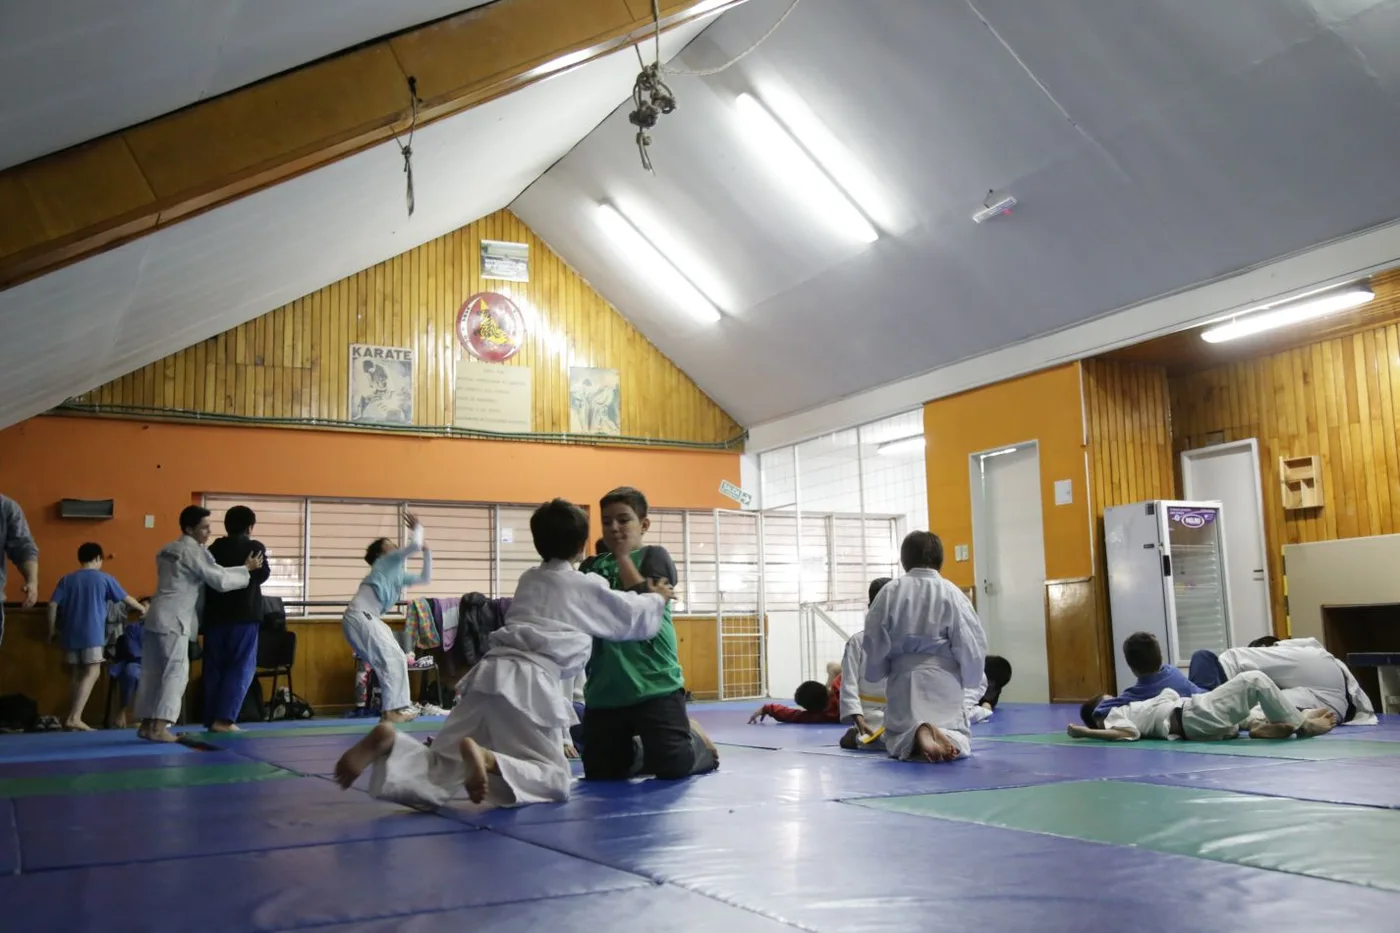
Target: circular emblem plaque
490	327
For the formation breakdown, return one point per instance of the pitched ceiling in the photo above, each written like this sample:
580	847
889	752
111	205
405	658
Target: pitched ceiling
1152	146
76	70
82	325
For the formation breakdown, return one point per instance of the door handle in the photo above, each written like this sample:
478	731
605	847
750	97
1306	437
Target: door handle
1258	570
987	587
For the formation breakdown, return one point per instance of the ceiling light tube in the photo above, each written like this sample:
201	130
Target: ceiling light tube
662	273
1271	317
799	170
901	447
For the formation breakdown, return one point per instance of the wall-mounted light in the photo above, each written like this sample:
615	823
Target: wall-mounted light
668	279
808	181
1271	317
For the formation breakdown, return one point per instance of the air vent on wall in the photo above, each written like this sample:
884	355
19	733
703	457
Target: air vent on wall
85	508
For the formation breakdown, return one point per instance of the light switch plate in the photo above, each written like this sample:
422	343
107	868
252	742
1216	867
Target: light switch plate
150	521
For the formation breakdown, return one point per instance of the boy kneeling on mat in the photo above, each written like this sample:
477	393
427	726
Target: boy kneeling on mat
1218	714
504	741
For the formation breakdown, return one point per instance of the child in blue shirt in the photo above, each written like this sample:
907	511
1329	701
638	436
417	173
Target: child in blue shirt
80	600
365	630
1143	653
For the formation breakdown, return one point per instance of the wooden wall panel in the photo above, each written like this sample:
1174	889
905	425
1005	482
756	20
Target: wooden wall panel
1127	406
323	674
1336	398
291	364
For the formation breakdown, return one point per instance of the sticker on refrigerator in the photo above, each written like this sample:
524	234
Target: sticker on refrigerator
1191	518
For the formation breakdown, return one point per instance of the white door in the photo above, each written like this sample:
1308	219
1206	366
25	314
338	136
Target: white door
1009	562
1230	473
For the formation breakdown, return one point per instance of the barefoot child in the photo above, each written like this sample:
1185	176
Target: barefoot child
504	741
81	600
371	639
924	639
183	569
1205	716
634	718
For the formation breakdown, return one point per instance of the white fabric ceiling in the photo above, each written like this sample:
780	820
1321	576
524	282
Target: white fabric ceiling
1153	145
73	70
108	315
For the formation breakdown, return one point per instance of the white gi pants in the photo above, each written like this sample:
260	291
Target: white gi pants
531	760
374	641
1219	713
165	672
924	688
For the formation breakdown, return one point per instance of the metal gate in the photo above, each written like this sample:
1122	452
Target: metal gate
739	605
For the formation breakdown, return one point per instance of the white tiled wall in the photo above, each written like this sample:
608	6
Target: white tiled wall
842	473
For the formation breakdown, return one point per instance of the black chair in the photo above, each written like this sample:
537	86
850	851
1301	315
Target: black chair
277	652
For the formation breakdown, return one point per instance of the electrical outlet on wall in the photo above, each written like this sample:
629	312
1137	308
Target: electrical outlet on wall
150	521
960	552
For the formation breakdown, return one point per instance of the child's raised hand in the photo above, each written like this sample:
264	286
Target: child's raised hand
410	520
758	717
662	588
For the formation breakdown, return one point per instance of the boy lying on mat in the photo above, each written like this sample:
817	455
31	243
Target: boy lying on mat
504	741
1218	714
818	702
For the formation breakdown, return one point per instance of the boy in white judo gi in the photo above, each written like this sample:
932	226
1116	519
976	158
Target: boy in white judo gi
504	741
923	638
183	569
1308	674
1218	714
371	639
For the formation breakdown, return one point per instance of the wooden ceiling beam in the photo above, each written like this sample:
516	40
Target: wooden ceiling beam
69	205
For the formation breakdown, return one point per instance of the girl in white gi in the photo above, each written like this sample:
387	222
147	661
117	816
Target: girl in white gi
505	739
183	569
1207	716
372	640
924	639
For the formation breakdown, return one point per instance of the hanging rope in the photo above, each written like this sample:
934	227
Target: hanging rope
406	148
652	98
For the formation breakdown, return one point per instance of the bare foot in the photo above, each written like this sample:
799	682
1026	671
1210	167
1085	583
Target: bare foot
1318	722
705	739
121	722
1270	730
375	745
143	731
225	727
399	715
159	731
76	725
478	767
934	745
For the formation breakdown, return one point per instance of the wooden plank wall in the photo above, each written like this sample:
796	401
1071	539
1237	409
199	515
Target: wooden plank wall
323	674
292	363
1337	398
1127	407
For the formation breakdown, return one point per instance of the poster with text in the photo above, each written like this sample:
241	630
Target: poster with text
509	262
595	401
381	384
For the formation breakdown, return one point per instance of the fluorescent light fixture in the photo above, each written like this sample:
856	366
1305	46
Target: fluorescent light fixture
849	173
664	276
998	453
808	181
902	447
1270	317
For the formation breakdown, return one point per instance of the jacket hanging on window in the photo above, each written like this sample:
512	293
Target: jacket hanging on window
421	625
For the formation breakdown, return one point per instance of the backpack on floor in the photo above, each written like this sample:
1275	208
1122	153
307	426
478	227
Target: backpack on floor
287	705
18	713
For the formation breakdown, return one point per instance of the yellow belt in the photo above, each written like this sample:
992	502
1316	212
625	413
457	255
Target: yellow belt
878	701
867	739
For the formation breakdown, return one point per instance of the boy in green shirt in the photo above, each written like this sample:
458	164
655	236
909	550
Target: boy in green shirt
634	719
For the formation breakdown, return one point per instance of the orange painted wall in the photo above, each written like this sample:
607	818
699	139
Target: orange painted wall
1044	407
158	467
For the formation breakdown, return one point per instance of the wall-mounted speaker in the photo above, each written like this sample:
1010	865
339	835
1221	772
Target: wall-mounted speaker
86	508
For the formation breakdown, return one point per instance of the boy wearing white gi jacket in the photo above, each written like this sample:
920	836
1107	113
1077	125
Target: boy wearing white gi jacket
505	740
1217	714
923	638
184	568
1308	674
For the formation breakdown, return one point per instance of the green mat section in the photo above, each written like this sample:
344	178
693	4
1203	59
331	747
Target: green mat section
350	727
1298	749
98	782
1337	842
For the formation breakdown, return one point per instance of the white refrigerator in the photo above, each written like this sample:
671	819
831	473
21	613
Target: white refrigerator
1166	575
